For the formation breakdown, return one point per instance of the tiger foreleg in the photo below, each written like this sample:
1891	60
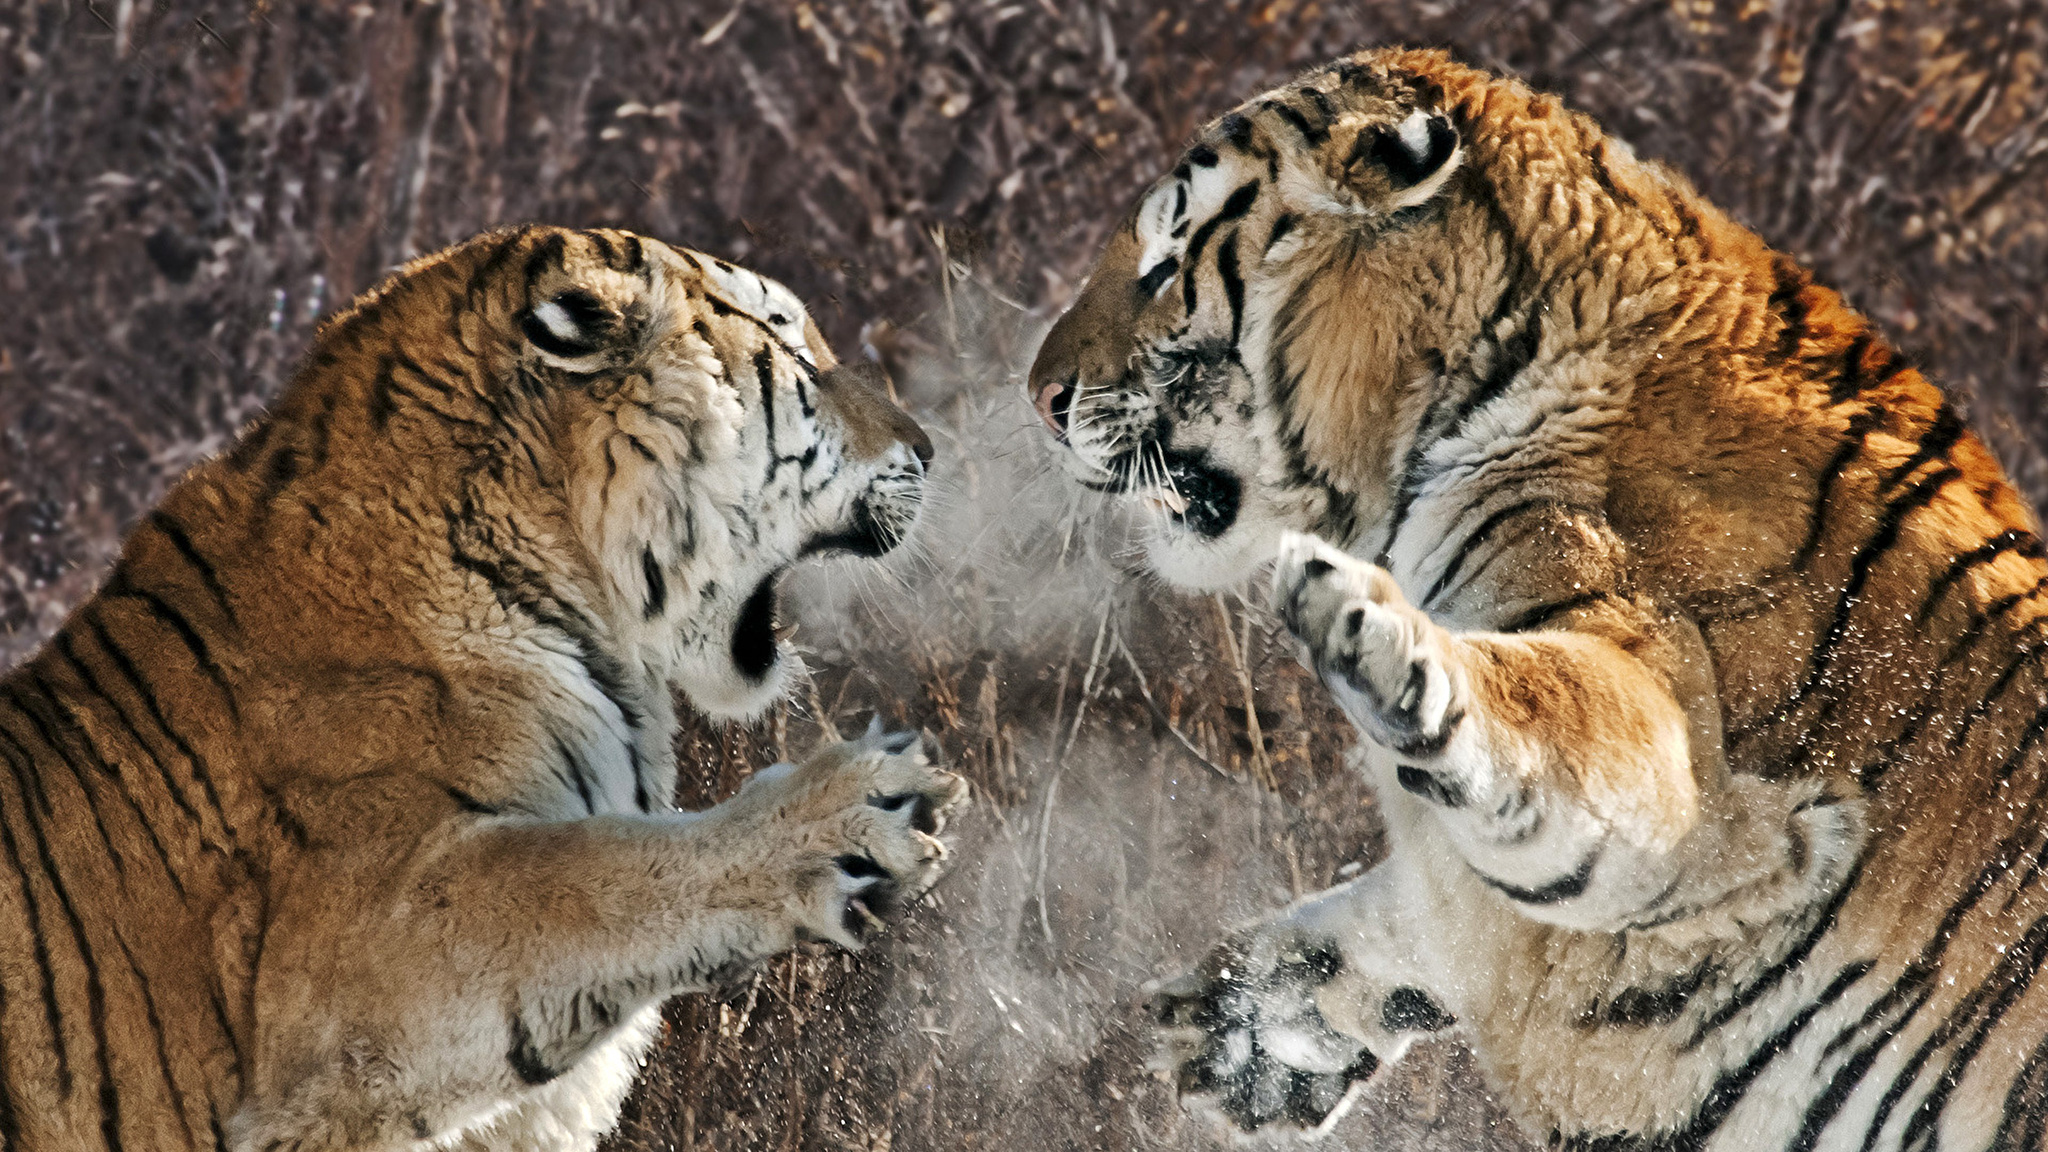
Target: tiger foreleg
1560	765
1284	1021
500	955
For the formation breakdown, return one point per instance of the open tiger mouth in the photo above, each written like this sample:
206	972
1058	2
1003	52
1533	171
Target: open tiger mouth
1193	493
757	634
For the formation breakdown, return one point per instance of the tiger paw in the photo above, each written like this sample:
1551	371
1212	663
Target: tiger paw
1383	659
1242	1033
863	819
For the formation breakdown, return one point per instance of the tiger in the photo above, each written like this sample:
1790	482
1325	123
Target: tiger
340	816
1697	649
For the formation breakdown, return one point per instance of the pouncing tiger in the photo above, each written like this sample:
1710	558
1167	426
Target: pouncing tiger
1699	650
340	817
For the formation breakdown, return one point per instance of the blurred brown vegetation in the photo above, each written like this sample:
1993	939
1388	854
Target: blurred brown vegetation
185	187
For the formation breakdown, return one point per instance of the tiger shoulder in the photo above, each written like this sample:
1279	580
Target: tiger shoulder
1699	650
342	816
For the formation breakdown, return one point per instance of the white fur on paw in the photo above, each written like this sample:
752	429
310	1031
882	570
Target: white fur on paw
1381	657
1243	1035
882	841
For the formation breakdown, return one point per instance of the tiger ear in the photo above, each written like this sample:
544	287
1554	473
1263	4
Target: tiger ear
1391	166
571	327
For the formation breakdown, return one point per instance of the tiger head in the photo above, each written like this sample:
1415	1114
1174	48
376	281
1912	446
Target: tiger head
630	443
1271	311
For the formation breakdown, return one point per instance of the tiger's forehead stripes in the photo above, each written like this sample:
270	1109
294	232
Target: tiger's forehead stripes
760	299
1701	664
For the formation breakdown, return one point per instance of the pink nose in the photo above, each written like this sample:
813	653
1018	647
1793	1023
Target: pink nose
1051	410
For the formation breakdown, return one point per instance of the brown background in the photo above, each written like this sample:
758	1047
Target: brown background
186	187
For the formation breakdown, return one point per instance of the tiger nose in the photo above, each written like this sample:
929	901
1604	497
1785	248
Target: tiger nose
1055	403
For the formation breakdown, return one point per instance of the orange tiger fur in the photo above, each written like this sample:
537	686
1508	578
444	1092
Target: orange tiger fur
1698	646
340	817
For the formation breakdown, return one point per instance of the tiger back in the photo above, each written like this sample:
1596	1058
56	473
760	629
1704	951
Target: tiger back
341	816
1697	645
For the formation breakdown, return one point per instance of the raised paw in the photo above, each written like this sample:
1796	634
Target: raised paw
1383	659
871	811
1243	1033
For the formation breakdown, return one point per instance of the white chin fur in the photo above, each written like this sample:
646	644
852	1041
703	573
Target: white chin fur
1200	564
717	689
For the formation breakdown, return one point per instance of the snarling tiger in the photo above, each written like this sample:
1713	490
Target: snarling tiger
1699	651
341	816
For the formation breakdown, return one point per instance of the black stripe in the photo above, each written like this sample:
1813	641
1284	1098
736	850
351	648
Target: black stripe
173	531
602	243
492	267
1824	1108
1233	283
546	255
1604	176
657	584
2008	982
147	695
1543	614
1480	535
156	1027
517	586
1790	962
2017	541
1789	299
1282	225
44	717
1556	892
1238	203
577	773
525	1057
320	432
2024	658
382	393
1340	519
95	994
1995	987
1730	1087
22	765
1853	437
1156	276
1848	382
393	387
1940	435
764	373
1645	1007
640	797
1511	356
162	611
220	1020
67	647
469	803
1314	135
1982	619
2023	1122
1861	566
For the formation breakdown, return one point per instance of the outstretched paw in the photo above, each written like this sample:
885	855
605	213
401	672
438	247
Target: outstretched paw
1384	659
867	815
1243	1033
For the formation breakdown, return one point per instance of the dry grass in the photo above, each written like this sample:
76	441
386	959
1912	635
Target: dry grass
187	186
